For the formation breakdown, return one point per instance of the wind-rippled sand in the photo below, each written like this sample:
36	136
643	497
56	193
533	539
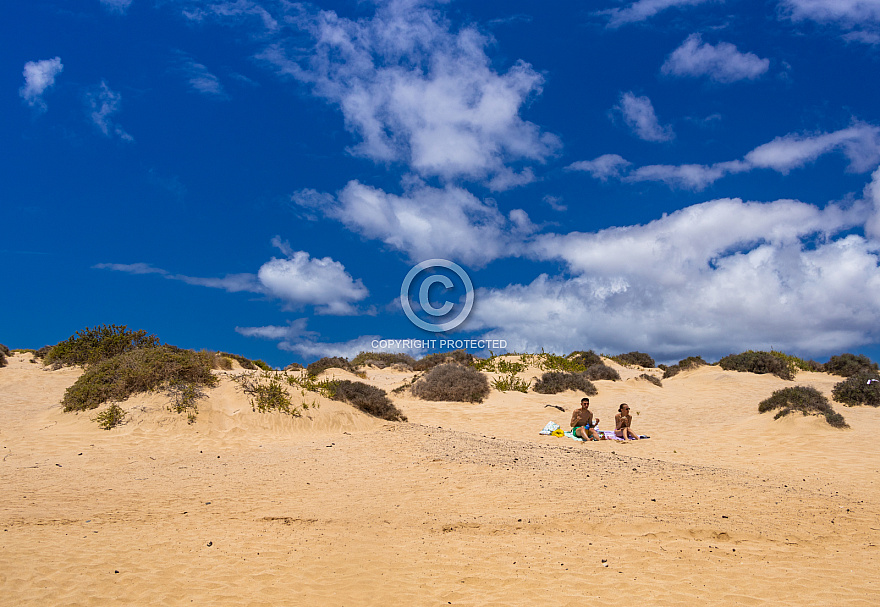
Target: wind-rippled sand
464	505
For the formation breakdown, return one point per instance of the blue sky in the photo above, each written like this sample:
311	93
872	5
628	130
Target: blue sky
678	177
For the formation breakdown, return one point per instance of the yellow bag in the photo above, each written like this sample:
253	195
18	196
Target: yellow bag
557	432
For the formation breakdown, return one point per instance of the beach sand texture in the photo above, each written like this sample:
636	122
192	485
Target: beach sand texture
464	505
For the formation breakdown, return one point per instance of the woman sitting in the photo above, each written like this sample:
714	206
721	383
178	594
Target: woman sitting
623	424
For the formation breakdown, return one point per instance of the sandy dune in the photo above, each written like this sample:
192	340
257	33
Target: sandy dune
464	505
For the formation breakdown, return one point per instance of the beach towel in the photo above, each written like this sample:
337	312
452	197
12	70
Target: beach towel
549	428
608	434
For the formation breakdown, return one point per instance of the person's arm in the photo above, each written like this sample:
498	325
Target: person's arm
574	418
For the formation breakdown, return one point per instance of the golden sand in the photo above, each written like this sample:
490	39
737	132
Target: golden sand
464	505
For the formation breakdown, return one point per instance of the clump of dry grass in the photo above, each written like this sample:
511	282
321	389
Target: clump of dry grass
806	399
453	382
554	382
369	399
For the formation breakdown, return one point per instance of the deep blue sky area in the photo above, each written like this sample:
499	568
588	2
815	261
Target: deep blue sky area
679	177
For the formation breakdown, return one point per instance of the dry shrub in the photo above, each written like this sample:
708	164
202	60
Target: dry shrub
858	389
329	362
587	359
90	346
554	382
757	362
369	399
453	382
805	399
685	364
294	367
848	365
382	360
462	357
652	378
601	371
142	370
638	359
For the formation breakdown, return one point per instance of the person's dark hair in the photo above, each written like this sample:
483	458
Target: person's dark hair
620	408
585	399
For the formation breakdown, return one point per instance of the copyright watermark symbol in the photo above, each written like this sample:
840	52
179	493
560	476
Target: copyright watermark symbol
437	272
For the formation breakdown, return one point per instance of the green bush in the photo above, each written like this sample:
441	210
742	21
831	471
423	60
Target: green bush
246	363
462	357
856	390
294	367
805	399
691	362
586	359
91	346
652	378
42	352
638	359
757	362
848	364
5	350
453	382
184	396
601	371
112	416
135	371
382	359
510	382
554	362
329	362
369	399
554	382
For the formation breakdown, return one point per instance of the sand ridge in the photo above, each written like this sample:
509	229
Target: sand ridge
466	504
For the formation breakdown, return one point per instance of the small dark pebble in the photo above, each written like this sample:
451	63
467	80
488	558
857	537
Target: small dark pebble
724	516
116	571
210	544
207	503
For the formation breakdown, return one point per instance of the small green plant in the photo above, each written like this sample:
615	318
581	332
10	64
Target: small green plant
112	416
511	382
267	393
863	388
184	396
554	362
310	383
806	399
685	364
93	345
586	359
554	382
506	366
452	382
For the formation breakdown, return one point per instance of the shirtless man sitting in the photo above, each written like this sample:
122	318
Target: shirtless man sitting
582	424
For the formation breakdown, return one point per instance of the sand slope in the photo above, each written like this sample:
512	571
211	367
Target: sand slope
464	505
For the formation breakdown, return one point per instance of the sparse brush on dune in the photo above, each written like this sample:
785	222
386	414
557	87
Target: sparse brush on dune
634	359
806	399
554	382
453	382
601	371
329	362
862	388
369	399
758	362
586	359
382	360
92	345
848	364
142	370
430	361
691	362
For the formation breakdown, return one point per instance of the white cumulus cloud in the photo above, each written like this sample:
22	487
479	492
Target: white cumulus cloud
728	273
425	222
415	92
638	114
603	167
860	19
721	62
116	6
38	77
